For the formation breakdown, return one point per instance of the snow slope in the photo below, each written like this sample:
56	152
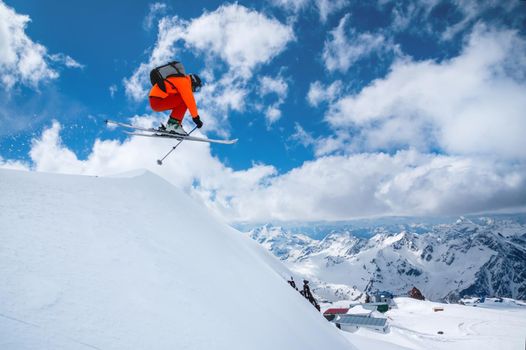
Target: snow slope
134	263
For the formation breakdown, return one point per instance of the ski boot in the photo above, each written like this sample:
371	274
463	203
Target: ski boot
173	126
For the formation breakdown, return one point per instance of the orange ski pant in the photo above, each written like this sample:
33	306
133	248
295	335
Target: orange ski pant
173	102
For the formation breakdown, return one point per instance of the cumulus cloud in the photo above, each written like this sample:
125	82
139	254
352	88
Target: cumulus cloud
468	107
342	187
107	157
192	168
334	187
23	61
220	97
237	35
345	46
470	104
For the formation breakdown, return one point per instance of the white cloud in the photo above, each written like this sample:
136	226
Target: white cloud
470	104
446	184
325	7
339	142
113	90
156	9
412	16
273	86
319	93
270	85
471	11
273	114
237	35
192	163
466	106
342	50
22	61
107	157
328	188
66	60
302	136
13	164
217	99
342	187
416	16
164	51
291	5
233	33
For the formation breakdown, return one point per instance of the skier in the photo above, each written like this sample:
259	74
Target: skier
292	283
307	294
306	290
173	90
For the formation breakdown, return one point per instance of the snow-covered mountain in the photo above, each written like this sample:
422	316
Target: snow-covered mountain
134	263
283	244
482	256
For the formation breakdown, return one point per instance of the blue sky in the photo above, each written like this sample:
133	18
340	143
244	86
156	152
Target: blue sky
343	108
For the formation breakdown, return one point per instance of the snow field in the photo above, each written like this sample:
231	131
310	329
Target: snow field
414	325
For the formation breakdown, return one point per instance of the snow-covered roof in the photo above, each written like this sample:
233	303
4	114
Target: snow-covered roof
360	320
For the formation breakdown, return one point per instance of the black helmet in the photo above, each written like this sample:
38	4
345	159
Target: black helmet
196	82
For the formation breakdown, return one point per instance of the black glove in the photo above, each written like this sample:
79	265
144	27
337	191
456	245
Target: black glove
198	122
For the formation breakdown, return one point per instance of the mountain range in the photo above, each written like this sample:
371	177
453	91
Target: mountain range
479	255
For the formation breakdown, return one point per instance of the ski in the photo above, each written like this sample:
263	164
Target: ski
167	135
181	137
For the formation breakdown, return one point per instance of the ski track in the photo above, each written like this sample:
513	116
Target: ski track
47	331
469	328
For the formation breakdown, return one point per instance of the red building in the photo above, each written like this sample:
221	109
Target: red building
330	314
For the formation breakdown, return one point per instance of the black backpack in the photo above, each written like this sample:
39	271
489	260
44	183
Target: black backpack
159	74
